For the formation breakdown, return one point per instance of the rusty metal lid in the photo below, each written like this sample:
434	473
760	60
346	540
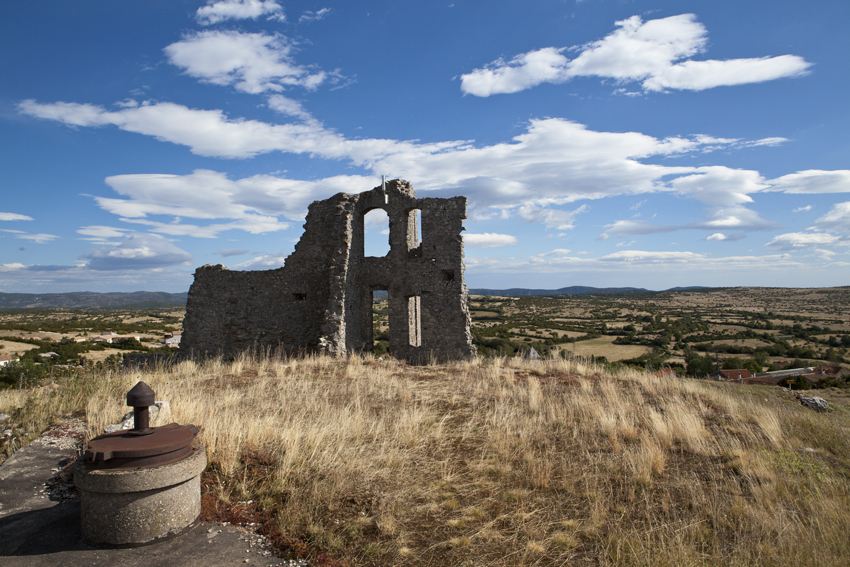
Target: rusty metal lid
121	450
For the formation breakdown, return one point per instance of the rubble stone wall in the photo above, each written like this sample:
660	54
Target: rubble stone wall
321	300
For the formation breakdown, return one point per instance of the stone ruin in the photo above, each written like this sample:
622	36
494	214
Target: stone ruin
321	299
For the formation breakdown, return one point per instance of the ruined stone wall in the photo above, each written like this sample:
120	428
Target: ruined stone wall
321	300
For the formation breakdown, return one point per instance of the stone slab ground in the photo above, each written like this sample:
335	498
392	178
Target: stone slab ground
40	525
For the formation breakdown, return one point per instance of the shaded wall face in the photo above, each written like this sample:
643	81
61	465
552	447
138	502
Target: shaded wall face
428	314
231	312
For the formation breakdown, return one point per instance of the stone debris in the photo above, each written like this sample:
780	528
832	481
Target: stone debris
257	543
321	300
68	434
60	487
159	410
814	402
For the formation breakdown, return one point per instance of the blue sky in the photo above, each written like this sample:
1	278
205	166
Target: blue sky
601	142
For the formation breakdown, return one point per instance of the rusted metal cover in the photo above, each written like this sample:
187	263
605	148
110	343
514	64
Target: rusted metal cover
143	446
121	450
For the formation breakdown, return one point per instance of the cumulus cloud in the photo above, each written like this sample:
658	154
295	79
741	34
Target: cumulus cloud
251	62
657	53
138	252
221	10
488	240
733	218
836	220
552	163
251	204
13	217
805	209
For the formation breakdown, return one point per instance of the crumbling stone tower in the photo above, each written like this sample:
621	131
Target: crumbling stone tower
321	300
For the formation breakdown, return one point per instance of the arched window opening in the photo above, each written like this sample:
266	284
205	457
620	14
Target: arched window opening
376	233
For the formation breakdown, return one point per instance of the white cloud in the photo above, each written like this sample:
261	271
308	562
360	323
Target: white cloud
488	240
646	257
813	181
824	254
99	232
733	218
805	209
701	75
13	217
802	240
720	186
622	228
210	133
655	52
524	71
215	12
264	262
13	267
309	16
40	238
553	218
717	236
252	204
289	107
254	224
552	163
138	252
558	252
836	220
251	62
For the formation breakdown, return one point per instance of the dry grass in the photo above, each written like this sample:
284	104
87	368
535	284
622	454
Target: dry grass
503	462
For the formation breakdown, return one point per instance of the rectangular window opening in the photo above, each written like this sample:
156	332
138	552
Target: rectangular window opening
380	322
449	275
300	296
414	321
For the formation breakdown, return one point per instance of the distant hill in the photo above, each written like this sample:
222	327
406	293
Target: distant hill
572	290
90	299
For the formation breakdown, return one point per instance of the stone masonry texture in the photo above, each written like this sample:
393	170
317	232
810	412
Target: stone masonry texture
321	299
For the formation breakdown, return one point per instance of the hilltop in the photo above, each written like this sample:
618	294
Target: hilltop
496	461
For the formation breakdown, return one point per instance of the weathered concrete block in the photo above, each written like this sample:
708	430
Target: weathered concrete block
139	506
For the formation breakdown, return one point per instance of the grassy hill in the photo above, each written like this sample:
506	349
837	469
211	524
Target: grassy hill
497	461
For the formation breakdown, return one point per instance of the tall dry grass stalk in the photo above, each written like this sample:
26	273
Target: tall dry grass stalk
507	462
